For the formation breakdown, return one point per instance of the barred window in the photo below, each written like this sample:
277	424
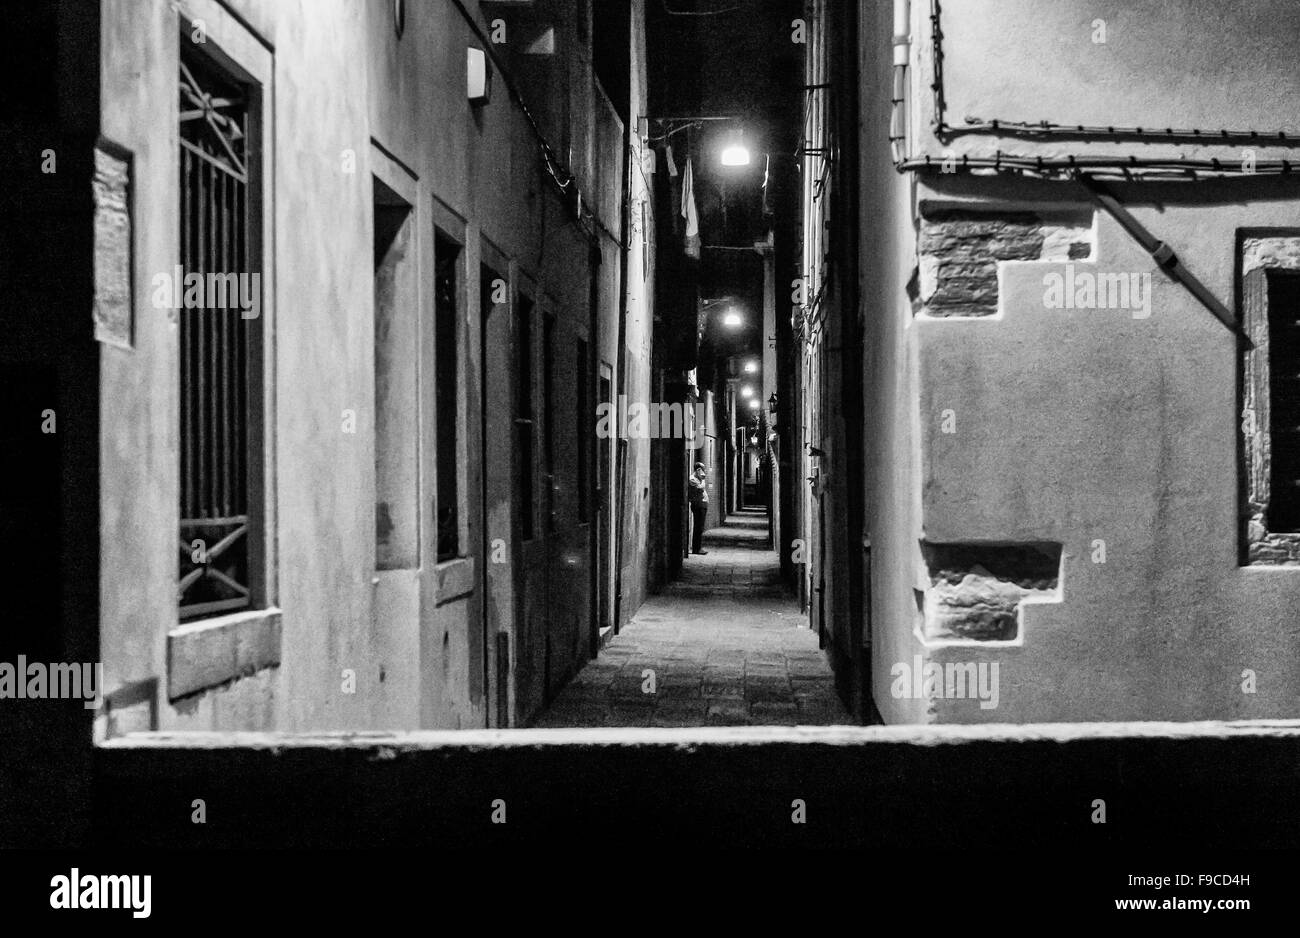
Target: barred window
220	302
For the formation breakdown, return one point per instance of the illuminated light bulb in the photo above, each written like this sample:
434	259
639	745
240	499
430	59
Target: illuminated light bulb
735	155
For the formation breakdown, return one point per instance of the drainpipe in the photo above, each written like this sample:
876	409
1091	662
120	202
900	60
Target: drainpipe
847	231
902	55
620	364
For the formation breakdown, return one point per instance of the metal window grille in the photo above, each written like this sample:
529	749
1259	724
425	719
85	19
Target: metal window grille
216	383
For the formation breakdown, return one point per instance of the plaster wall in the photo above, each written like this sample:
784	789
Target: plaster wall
891	439
1116	437
1109	436
347	100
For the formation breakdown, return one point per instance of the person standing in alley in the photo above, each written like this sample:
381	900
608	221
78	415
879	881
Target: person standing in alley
697	496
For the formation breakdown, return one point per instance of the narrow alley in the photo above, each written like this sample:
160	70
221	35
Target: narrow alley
374	371
725	645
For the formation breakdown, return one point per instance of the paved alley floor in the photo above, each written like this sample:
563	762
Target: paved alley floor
726	645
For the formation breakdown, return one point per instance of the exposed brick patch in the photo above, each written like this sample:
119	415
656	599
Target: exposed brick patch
961	249
976	589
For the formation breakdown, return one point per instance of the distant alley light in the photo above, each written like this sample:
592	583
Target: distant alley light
735	155
732	319
746	391
755	403
751	367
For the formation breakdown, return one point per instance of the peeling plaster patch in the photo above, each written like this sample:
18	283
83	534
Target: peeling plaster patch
112	306
929	268
1068	242
961	251
1266	253
976	590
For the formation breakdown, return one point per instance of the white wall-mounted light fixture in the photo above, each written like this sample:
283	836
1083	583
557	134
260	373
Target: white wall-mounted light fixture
746	391
732	319
751	367
479	76
755	403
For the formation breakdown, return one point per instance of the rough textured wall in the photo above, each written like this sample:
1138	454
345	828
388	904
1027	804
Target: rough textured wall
139	435
341	77
640	324
1104	433
1112	433
1108	63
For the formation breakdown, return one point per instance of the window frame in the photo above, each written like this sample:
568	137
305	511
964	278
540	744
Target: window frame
403	183
1260	251
454	576
445	234
525	291
202	653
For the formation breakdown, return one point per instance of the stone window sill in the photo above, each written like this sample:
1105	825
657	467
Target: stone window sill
1275	550
206	654
454	578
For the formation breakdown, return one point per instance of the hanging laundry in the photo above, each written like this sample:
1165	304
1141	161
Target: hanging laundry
688	212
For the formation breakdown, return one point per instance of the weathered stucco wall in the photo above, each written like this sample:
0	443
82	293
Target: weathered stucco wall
1114	434
1070	512
1108	63
348	100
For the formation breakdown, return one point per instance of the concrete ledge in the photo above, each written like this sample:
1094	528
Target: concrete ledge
1163	784
209	653
715	736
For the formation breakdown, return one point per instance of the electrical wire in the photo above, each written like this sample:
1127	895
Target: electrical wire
665	136
671	12
975	125
1124	167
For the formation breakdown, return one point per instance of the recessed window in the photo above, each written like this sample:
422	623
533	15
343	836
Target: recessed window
548	415
583	422
1284	400
523	369
447	362
1270	279
396	426
220	341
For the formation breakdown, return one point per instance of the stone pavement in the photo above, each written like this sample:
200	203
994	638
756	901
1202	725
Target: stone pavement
726	644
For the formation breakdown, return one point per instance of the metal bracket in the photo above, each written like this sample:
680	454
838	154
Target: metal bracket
1163	255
